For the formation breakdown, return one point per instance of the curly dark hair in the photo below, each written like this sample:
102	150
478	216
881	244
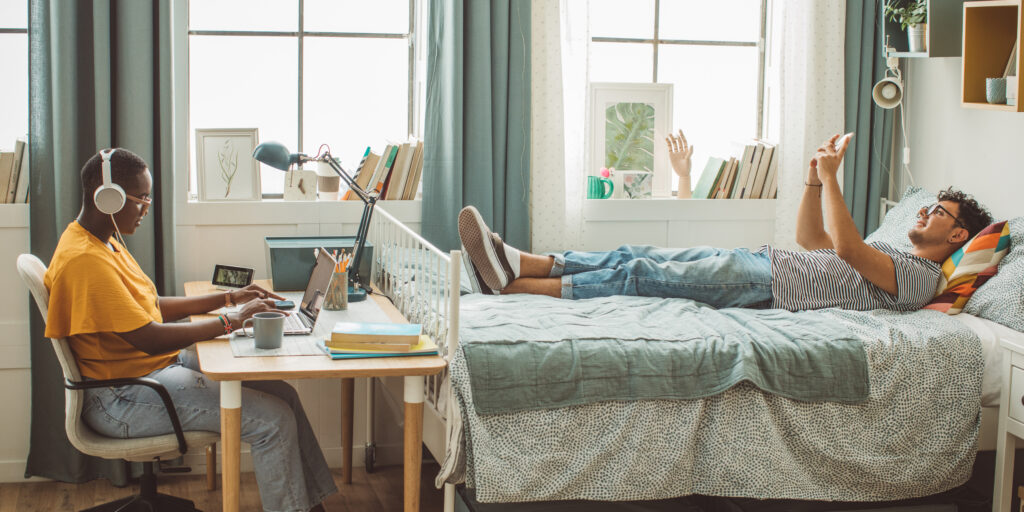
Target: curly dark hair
973	216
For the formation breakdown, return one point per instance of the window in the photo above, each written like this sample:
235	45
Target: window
712	53
305	73
14	85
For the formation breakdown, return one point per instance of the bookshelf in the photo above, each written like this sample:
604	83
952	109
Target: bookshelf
991	28
942	39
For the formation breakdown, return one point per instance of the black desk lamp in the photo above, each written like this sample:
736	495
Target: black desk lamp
277	156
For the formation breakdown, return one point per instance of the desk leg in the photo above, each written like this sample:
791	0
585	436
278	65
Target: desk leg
231	441
413	441
348	390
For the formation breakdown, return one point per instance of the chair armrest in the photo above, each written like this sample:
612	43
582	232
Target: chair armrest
140	381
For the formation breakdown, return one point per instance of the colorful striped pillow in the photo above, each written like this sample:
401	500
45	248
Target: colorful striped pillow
970	267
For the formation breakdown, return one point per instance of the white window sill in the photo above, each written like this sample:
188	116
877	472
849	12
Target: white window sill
278	211
672	209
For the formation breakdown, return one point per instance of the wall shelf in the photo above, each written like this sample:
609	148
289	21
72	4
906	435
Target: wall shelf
991	28
942	39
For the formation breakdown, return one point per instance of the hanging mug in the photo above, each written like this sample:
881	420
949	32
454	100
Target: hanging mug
599	188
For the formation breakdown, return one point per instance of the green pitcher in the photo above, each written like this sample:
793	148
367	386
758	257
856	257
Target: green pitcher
599	188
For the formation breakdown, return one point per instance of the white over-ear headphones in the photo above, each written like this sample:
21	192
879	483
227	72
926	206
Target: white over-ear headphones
109	197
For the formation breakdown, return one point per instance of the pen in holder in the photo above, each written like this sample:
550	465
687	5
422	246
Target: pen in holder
337	292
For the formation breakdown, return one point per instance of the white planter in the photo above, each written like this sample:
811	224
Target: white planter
916	37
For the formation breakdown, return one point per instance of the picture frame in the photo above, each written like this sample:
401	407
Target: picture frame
609	106
225	168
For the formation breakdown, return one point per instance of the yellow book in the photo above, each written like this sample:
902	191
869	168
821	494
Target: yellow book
426	346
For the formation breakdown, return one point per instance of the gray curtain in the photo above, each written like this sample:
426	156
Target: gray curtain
867	160
99	76
477	131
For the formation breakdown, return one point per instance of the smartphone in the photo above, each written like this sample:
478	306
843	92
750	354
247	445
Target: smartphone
841	140
284	304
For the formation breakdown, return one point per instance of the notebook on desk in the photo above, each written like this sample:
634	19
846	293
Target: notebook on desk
304	320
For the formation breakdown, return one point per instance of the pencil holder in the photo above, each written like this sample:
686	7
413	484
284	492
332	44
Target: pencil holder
337	292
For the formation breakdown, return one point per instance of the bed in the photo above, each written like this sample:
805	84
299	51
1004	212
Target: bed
930	375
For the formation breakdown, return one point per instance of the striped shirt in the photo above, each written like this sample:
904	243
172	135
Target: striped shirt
821	279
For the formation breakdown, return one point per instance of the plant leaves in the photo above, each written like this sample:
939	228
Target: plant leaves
629	136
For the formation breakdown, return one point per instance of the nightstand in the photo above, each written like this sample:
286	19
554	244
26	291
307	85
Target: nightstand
1011	422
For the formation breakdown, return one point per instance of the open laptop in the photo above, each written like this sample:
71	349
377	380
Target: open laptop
303	320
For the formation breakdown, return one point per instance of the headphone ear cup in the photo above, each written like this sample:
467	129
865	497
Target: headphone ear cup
109	198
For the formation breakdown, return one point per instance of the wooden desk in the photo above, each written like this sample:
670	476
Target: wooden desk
218	363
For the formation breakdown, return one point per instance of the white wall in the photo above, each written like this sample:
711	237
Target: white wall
977	151
14	348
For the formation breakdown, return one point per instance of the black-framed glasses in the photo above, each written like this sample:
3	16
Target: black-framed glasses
930	210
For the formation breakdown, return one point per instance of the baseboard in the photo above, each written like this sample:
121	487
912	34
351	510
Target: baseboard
13	471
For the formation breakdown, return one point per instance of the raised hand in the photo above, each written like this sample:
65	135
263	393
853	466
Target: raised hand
828	157
679	153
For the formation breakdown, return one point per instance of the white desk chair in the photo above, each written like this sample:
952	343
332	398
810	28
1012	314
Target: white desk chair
147	450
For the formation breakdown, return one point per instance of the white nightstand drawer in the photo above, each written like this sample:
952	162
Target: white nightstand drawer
1017	394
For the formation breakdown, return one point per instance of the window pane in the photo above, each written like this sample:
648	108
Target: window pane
379	16
230	87
13	14
280	15
616	18
700	20
356	95
14	89
717	113
621	62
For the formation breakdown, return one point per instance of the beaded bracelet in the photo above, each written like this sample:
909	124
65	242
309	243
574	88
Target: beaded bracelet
226	323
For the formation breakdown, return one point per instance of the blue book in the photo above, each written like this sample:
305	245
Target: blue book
369	332
425	347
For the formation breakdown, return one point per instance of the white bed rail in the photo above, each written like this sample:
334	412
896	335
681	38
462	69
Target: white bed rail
423	283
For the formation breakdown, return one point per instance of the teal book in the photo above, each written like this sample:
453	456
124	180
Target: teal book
369	332
708	178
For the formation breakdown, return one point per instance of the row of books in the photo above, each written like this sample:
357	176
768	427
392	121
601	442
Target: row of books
394	174
14	174
753	176
354	340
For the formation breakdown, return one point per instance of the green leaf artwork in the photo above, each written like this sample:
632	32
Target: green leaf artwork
629	136
227	156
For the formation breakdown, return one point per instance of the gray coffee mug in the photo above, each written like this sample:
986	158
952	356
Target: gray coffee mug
268	328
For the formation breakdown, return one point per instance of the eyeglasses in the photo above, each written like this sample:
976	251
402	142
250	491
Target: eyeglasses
930	210
144	202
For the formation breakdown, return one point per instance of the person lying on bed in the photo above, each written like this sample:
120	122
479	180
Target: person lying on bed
118	327
839	270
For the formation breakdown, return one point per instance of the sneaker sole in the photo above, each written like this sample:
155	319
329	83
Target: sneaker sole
477	284
476	238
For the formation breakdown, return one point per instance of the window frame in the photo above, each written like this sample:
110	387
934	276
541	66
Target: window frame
657	40
25	32
414	38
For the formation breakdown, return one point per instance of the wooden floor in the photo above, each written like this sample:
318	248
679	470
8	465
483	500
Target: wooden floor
378	491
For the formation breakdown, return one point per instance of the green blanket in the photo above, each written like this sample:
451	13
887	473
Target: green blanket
529	352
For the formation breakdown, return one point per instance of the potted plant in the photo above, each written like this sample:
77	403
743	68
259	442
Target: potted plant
911	15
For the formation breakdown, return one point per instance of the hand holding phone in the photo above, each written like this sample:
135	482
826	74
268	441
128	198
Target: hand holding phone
842	140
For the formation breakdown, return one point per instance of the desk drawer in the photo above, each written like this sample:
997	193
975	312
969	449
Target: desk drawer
1016	393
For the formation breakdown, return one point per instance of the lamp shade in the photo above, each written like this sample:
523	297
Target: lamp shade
275	155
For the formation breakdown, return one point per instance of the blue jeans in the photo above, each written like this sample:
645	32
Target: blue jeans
290	468
719	277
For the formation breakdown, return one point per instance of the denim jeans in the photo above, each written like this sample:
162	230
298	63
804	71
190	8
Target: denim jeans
290	469
718	277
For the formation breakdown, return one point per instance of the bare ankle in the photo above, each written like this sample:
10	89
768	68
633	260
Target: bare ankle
534	265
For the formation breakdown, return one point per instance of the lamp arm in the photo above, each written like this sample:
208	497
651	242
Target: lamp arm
361	233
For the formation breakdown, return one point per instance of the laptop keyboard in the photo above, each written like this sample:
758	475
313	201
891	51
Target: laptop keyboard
294	323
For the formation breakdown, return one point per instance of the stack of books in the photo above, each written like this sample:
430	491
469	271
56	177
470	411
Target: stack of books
394	173
14	174
353	340
752	176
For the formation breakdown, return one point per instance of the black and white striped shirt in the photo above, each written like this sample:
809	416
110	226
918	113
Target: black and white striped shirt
821	279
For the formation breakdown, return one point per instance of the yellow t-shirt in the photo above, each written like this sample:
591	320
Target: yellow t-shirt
94	293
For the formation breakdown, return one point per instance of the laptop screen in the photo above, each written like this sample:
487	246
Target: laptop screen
316	288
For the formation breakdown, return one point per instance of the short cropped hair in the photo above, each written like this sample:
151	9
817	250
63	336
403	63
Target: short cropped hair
123	163
973	216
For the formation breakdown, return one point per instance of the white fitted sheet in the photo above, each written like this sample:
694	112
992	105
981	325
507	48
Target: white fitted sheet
991	334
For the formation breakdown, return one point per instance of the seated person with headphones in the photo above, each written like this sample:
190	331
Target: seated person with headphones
117	326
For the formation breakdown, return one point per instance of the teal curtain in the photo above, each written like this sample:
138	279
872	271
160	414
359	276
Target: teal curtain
99	76
867	160
477	121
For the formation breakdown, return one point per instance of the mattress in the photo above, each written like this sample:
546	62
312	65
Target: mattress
991	334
